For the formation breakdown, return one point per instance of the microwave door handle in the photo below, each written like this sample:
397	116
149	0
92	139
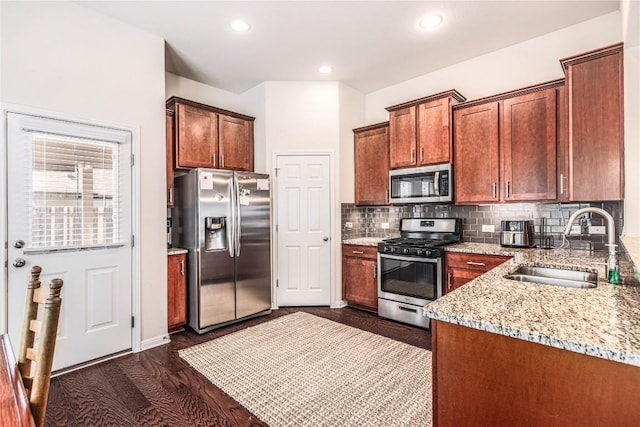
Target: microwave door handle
436	183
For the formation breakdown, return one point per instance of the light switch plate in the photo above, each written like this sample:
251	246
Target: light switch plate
597	229
576	230
384	225
488	228
348	224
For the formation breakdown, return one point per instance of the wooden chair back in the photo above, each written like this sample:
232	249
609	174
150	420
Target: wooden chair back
35	363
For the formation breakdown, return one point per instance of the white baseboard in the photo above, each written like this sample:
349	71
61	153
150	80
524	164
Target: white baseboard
339	304
155	342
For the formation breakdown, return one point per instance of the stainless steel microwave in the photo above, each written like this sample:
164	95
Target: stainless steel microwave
425	184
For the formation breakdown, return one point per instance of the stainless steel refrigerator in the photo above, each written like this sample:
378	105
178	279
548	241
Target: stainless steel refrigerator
223	218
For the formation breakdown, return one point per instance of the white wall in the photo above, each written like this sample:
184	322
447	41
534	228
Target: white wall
304	117
630	11
352	109
523	64
64	58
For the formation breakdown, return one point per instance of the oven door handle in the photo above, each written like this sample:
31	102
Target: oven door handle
411	259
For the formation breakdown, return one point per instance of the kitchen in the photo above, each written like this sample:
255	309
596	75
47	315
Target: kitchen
143	87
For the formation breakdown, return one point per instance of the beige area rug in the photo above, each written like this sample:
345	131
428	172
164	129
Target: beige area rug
303	370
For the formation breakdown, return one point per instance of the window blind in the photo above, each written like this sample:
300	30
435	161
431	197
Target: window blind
73	200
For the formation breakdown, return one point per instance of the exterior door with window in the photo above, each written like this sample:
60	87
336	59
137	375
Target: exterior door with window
69	211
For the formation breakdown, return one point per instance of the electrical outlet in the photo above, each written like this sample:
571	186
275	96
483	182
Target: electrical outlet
348	224
597	229
384	225
488	228
576	230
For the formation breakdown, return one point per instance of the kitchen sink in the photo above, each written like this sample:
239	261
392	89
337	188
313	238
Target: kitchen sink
555	276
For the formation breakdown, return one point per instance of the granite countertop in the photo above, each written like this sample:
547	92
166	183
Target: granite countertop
363	241
602	322
632	245
176	251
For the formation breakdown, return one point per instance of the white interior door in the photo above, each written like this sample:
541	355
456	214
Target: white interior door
303	229
69	211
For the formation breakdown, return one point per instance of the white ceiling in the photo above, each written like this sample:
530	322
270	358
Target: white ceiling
369	44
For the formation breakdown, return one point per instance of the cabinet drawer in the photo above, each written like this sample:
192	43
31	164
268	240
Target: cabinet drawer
474	261
357	251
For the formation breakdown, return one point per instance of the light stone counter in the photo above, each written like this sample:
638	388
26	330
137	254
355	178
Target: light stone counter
363	241
176	251
602	322
632	245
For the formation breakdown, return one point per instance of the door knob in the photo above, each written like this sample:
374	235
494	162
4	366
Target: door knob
325	239
19	262
18	244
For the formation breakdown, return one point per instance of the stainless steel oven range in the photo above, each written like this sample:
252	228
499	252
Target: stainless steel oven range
410	268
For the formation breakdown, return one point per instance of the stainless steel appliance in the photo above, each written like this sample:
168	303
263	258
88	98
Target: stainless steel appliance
223	218
410	268
421	185
517	234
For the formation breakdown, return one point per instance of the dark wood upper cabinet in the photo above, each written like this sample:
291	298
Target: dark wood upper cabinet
196	138
420	130
371	164
528	147
211	137
235	143
169	135
595	111
476	155
505	147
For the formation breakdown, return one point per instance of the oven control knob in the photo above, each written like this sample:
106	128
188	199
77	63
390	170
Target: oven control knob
405	250
419	252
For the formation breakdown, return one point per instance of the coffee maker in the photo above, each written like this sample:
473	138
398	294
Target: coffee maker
517	233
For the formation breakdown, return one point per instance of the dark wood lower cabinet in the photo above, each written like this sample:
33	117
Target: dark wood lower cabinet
359	276
461	268
480	378
176	292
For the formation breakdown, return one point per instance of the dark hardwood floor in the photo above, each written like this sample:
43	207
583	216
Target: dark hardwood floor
157	388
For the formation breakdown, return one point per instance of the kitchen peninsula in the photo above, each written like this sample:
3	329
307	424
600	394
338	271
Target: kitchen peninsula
534	354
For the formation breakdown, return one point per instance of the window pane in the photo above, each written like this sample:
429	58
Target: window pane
73	201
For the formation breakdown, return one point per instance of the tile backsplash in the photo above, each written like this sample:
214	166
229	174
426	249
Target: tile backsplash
366	221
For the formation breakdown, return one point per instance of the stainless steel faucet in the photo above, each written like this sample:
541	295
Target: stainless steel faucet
611	233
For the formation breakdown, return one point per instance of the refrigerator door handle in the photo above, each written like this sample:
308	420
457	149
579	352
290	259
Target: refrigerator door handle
237	217
231	222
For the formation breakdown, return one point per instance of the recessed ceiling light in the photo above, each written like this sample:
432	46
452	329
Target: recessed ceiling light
430	22
325	69
239	26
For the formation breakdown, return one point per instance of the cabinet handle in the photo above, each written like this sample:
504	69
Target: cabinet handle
493	190
375	271
506	190
222	160
213	160
170	195
421	154
411	153
357	252
449	281
481	264
182	268
561	183
386	196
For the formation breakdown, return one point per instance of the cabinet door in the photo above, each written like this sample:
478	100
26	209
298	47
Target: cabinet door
528	147
169	146
476	154
371	158
176	292
196	140
457	277
235	143
595	134
359	277
434	133
402	138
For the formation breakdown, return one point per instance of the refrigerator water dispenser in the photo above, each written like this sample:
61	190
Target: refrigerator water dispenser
215	233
